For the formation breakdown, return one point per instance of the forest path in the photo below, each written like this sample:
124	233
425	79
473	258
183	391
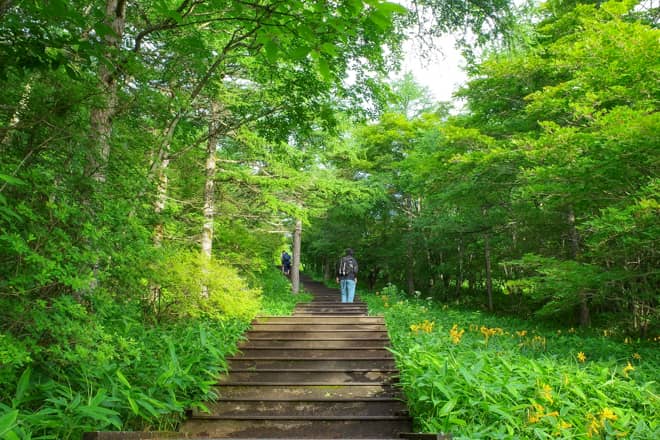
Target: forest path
322	373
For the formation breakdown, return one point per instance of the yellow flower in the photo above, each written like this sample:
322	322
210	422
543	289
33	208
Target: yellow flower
546	392
425	326
637	356
522	333
571	330
533	418
627	369
581	357
456	334
564	425
607	414
592	426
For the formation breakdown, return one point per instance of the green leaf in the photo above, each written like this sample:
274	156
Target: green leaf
21	387
381	20
8	421
11	179
391	8
324	68
300	52
447	408
134	406
123	379
330	49
271	49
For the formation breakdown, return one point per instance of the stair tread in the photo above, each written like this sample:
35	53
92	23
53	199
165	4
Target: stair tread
298	417
308	399
310	370
306	384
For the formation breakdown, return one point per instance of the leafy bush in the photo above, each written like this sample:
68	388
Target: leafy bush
488	377
182	277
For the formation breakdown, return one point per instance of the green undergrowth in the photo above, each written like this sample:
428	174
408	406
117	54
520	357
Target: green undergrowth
68	367
278	299
484	377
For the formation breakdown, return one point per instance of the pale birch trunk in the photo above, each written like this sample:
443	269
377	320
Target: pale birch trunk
162	162
16	117
209	193
295	268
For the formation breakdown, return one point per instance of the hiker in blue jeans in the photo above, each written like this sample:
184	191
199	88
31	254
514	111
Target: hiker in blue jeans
347	276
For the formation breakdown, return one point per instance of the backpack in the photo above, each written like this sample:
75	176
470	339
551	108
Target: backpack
347	266
286	258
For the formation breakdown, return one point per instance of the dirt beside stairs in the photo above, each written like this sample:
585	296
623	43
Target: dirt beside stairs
322	373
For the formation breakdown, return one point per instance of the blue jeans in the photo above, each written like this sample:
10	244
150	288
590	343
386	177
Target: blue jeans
347	290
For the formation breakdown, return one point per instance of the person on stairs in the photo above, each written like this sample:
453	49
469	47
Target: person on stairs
347	276
285	259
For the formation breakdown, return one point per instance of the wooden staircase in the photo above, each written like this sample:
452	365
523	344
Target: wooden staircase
324	372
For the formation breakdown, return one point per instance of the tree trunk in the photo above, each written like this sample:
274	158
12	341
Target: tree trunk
459	278
574	239
161	163
489	280
209	194
410	263
101	116
7	136
327	269
295	268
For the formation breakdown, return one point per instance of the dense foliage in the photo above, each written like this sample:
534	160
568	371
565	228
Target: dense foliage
539	198
479	376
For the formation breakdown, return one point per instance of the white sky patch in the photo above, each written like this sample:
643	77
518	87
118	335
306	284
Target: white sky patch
442	72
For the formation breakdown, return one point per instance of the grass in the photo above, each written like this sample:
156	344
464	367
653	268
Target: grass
484	377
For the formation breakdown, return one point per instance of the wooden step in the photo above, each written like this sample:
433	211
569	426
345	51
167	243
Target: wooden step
310	407
314	353
308	391
316	343
309	334
310	327
362	427
320	320
310	364
304	376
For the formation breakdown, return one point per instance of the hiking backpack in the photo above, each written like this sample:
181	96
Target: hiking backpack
347	266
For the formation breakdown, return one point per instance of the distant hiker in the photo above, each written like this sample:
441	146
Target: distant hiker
347	276
286	263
